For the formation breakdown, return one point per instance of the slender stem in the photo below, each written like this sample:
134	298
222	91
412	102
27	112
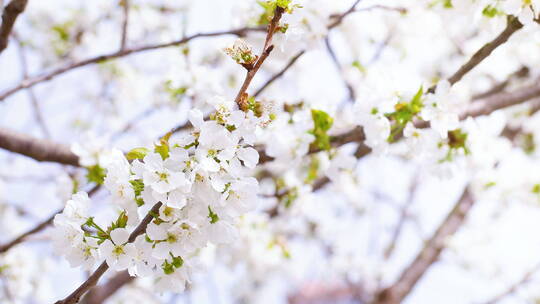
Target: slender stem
514	287
291	62
92	280
38	227
125	21
32	81
11	12
267	49
397	292
33	99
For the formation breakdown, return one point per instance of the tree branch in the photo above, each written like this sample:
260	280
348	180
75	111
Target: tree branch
502	100
403	215
514	287
512	26
267	49
335	60
30	82
125	21
429	254
292	61
99	294
38	227
499	87
33	99
75	296
11	12
23	236
45	150
38	149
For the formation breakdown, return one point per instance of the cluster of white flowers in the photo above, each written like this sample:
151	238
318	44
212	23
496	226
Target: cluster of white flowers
203	181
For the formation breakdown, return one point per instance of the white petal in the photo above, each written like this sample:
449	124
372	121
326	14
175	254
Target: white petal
119	236
249	155
196	118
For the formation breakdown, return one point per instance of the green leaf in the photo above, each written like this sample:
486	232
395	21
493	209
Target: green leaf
457	140
137	153
95	174
491	11
313	170
404	113
214	218
448	4
290	197
163	147
359	66
121	222
322	120
75	187
138	186
167	267
322	123
176	93
177	262
416	101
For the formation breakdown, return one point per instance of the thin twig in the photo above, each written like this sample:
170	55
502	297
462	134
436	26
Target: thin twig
36	148
267	49
23	236
291	62
338	19
45	150
99	294
335	60
402	218
521	73
397	292
76	295
30	82
33	99
514	287
512	26
125	21
38	227
9	16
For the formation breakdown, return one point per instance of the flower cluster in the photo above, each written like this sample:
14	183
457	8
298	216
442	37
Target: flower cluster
202	181
241	52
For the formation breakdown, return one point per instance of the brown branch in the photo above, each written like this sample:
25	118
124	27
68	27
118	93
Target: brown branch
45	150
11	12
335	60
33	99
479	108
38	149
280	73
23	236
499	87
404	214
30	82
267	49
339	18
38	227
125	21
99	294
502	100
395	293
512	26
75	296
514	287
